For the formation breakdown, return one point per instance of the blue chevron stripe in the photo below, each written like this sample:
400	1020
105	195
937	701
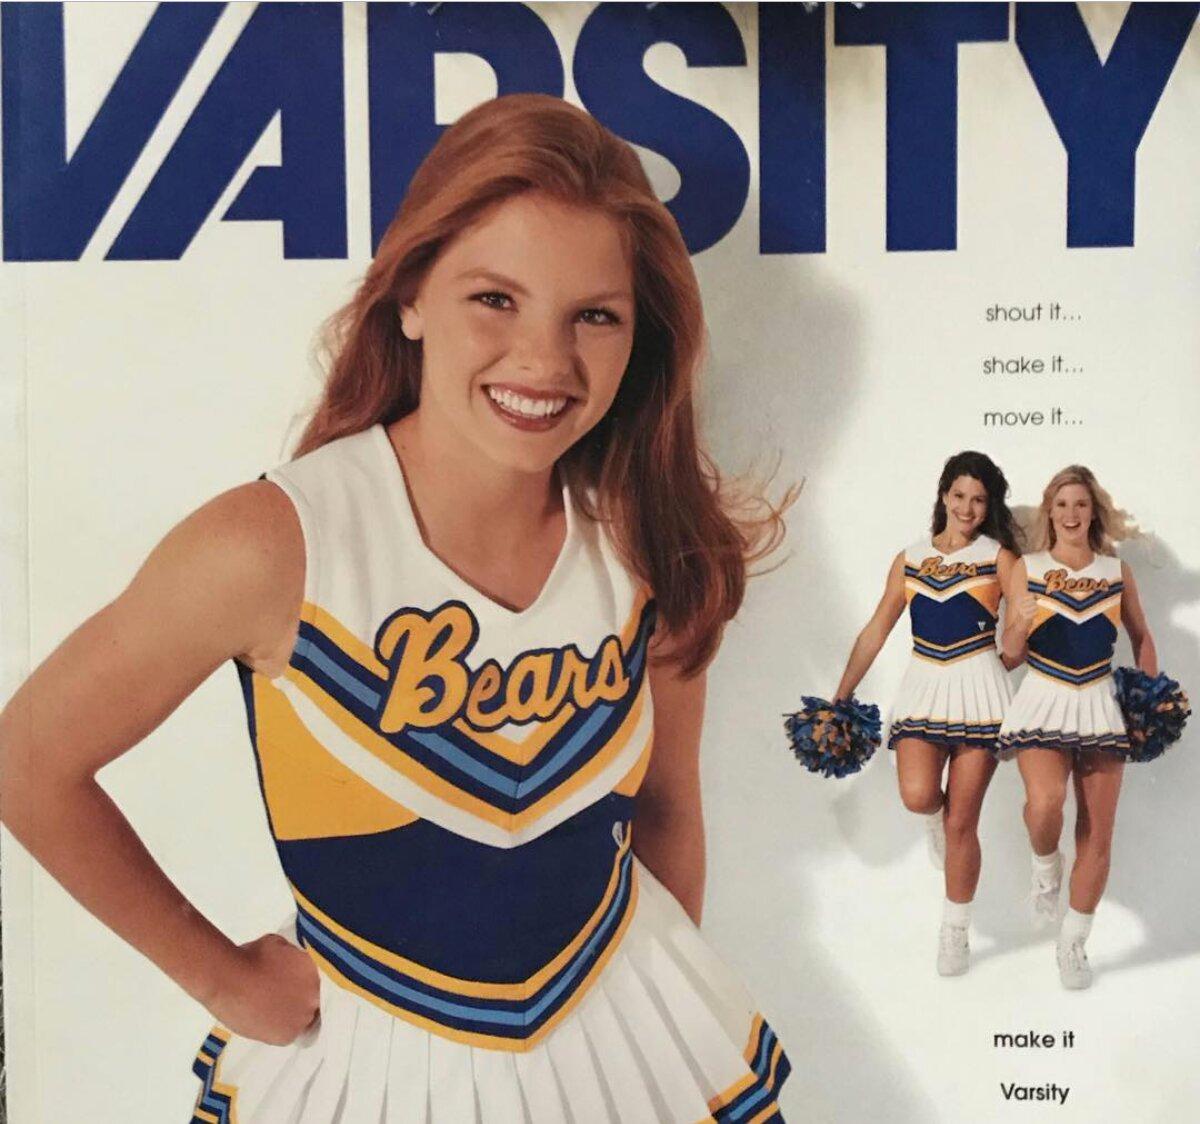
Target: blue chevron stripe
1078	678
215	1104
964	648
759	1094
1075	603
507	1018
452	754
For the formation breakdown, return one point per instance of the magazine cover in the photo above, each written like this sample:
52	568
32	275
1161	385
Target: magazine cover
599	562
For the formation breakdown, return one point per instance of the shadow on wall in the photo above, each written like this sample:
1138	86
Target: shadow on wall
761	911
1157	831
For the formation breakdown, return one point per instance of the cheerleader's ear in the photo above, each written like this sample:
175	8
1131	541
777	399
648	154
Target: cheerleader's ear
411	322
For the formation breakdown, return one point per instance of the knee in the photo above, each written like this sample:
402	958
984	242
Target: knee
960	827
920	796
1095	846
1045	801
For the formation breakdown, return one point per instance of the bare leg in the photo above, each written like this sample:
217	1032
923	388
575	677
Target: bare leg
919	766
970	771
1045	773
1097	787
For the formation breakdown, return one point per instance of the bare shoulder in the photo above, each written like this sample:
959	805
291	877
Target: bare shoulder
240	558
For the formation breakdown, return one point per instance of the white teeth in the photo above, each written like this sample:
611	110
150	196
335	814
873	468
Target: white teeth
527	407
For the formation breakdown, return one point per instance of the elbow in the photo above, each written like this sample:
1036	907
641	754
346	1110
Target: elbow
676	811
38	801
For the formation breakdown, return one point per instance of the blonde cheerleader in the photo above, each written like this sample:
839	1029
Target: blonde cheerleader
1065	722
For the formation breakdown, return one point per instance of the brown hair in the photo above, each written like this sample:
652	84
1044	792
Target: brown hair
676	523
1109	523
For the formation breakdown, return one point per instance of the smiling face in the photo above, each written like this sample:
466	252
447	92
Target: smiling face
966	505
1071	513
527	321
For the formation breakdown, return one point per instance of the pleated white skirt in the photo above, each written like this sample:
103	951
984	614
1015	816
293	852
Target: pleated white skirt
1049	714
665	1033
958	703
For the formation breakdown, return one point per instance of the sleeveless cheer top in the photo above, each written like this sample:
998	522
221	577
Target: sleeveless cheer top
1075	626
953	599
450	783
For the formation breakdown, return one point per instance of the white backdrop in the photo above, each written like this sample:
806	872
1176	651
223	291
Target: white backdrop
143	388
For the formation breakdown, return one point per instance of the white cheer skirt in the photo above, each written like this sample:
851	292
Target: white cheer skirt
1049	714
665	1032
961	702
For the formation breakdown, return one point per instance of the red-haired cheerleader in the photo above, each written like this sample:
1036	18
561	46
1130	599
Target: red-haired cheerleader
488	583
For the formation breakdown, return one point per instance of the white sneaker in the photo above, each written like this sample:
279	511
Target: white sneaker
935	838
1046	891
954	951
1073	967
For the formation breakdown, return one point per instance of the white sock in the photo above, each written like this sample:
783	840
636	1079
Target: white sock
956	913
1075	927
1047	864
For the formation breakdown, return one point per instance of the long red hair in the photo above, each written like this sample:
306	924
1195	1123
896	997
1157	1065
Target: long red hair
676	524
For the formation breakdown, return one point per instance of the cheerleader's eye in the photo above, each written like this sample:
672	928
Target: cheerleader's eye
609	317
493	299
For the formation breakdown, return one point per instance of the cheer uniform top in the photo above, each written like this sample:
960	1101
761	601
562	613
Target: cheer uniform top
1068	698
955	690
450	786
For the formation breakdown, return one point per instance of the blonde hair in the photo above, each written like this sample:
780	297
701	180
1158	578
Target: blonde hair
1110	524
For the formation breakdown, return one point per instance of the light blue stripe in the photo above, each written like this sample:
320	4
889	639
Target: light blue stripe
464	762
585	953
986	641
580	738
460	1010
761	1067
1066	599
344	679
577	743
1038	663
460	759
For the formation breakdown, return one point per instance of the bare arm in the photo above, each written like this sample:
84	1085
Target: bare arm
876	631
668	833
1134	619
1020	609
225	582
1017	600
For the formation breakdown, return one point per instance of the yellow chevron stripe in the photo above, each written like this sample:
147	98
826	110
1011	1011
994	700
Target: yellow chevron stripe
727	1096
988	596
519	752
491	1041
1049	602
957	643
1072	670
396	759
632	780
953	659
309	792
217	1086
362	653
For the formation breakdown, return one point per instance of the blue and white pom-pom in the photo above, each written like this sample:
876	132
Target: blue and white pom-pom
833	739
1156	710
